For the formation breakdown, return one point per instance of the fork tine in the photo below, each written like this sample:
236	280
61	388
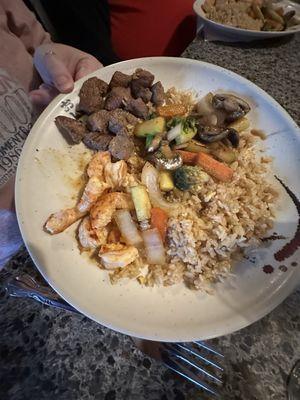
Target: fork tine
198	355
204	346
186	373
190	362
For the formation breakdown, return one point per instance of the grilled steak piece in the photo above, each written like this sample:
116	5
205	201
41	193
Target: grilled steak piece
97	141
71	129
116	98
158	94
98	121
91	95
120	79
137	107
121	147
120	119
145	78
139	91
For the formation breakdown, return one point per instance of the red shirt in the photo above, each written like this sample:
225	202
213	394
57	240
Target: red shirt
143	28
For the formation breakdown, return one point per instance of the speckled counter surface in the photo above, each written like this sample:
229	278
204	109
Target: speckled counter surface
49	354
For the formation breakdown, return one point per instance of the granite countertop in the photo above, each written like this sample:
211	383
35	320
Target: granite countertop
47	353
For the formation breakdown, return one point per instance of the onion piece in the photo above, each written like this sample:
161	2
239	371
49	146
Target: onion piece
150	178
174	132
127	227
154	247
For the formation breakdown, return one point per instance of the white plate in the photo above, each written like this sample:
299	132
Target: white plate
228	32
45	183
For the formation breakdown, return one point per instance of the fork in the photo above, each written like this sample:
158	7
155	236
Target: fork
194	361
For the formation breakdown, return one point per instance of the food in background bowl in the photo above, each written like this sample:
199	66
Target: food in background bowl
175	190
257	15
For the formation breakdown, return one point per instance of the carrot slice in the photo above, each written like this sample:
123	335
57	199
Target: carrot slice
171	110
188	157
213	167
159	219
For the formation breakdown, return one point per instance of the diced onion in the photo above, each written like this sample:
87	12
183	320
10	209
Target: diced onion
154	247
150	178
174	132
127	227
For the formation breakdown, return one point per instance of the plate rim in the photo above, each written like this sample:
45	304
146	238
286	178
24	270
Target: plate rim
191	337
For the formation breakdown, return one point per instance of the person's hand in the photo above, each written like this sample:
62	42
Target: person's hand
59	67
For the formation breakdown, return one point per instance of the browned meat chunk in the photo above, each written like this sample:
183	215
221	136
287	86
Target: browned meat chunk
139	91
158	94
91	95
138	108
119	79
97	141
71	129
116	98
121	147
145	78
98	121
120	120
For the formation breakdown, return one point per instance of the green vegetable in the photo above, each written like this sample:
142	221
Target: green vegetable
149	139
226	155
188	130
150	127
190	178
196	147
173	122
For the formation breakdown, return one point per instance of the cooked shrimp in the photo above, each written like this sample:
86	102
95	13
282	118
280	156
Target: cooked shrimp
92	191
97	163
86	236
102	211
117	255
61	220
115	173
114	235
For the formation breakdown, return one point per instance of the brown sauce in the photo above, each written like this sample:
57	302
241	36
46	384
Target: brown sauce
291	247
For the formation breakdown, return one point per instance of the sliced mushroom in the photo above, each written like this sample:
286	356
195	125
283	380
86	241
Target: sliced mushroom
211	134
289	15
233	106
165	158
233	137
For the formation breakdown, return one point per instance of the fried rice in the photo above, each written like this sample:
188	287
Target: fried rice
236	13
208	232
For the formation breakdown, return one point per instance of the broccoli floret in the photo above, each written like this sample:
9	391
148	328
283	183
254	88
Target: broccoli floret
189	178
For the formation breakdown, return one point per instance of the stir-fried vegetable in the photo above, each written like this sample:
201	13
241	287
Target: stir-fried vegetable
166	183
188	130
150	178
150	127
154	247
240	125
171	110
159	220
141	202
188	157
226	155
214	168
196	147
128	228
174	132
190	178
